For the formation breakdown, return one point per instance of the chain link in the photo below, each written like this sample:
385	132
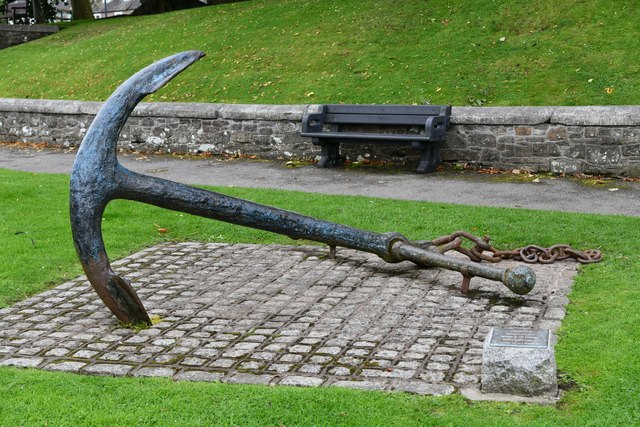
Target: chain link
483	251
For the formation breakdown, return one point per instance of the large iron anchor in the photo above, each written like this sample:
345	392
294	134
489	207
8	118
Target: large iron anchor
98	178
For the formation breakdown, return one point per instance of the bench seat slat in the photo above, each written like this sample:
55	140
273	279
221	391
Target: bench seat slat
369	136
376	119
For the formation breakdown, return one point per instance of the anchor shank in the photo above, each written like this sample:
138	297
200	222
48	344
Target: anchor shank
209	204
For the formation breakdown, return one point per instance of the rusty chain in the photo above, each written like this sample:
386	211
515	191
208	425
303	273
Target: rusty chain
483	251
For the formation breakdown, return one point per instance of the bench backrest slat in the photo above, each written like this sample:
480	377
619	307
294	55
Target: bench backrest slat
428	110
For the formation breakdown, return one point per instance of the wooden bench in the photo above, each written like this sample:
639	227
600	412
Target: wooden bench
17	13
344	123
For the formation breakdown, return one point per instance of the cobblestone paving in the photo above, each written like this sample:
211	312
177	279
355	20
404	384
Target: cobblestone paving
268	314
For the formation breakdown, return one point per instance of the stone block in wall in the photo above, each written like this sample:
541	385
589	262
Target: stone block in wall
609	140
631	134
557	133
590	132
509	149
482	140
610	136
633	169
264	140
565	165
455	139
505	140
540	130
574	152
532	164
524	149
241	137
612	132
575	132
532	139
632	150
286	127
250	127
603	156
546	149
490	156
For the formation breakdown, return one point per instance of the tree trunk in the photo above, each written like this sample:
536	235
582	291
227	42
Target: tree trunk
81	9
38	14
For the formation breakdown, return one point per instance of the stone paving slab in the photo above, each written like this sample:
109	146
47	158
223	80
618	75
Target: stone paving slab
274	314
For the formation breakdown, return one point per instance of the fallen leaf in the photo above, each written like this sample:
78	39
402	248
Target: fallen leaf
609	90
161	229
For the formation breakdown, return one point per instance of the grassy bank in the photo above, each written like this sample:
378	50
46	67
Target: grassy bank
463	52
597	347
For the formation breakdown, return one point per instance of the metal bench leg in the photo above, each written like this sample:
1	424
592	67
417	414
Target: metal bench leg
329	155
429	158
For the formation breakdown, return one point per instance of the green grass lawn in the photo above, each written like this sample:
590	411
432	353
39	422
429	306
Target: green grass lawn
597	347
461	52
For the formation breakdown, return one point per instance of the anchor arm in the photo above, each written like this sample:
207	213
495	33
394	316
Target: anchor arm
519	280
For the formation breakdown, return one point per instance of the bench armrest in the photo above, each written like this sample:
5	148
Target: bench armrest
435	128
313	122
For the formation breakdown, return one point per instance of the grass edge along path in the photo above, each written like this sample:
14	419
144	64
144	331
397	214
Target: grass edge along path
597	346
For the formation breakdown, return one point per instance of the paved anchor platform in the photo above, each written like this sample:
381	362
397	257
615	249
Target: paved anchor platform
275	314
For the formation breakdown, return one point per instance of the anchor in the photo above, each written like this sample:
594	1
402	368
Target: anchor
97	178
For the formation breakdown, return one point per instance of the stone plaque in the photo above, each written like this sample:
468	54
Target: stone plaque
519	362
527	338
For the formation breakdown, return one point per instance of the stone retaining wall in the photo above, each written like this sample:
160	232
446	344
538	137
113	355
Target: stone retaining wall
557	139
12	35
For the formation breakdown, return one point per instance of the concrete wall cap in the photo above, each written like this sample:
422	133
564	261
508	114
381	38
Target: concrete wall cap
145	109
262	112
569	116
49	106
500	115
177	109
618	115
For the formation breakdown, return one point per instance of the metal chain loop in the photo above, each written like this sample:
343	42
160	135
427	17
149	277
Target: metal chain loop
483	251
